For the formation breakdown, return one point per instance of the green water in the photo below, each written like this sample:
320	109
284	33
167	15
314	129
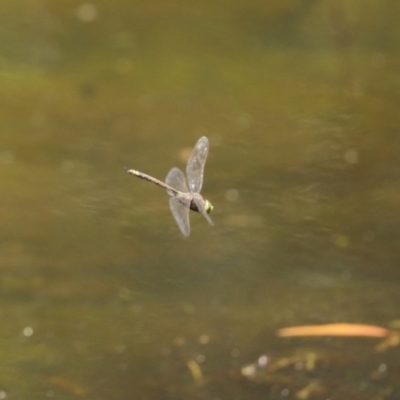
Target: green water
101	296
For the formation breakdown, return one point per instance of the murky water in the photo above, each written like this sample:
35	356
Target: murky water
101	296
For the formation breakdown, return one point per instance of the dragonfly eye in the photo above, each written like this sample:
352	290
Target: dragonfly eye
208	207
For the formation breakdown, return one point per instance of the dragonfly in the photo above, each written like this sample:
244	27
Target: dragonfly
185	192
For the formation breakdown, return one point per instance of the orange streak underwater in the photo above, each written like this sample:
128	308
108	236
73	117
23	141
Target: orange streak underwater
341	329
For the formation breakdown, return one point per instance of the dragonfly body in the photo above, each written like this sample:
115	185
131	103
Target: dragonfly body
185	194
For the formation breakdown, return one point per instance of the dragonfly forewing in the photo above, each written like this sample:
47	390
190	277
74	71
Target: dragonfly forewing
176	178
195	165
181	214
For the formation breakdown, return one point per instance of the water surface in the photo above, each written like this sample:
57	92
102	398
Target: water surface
101	295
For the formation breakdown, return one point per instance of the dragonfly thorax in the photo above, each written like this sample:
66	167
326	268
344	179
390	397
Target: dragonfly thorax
200	205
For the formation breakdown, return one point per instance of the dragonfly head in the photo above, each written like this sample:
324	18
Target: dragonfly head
208	206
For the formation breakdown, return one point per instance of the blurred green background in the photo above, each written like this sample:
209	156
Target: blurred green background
101	296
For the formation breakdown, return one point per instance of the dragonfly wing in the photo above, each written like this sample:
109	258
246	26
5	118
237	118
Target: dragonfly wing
176	179
208	218
181	215
200	207
195	165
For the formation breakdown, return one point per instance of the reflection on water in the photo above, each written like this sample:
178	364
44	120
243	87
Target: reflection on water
101	296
